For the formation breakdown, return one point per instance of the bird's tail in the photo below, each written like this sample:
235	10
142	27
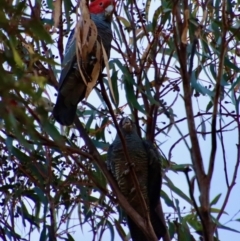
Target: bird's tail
64	114
158	227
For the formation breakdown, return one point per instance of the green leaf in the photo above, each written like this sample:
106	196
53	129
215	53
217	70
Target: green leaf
199	88
35	198
167	200
156	16
149	93
193	221
98	175
114	79
203	128
128	84
233	85
16	56
123	69
171	229
50	4
9	144
216	210
111	229
125	22
90	120
51	130
39	31
227	228
3	20
183	232
68	6
47	21
215	200
148	4
104	125
178	210
101	145
130	95
115	27
209	105
230	64
70	238
170	184
86	208
26	216
213	71
11	233
179	167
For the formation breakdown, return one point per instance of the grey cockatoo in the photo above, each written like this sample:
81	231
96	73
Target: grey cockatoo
72	88
146	161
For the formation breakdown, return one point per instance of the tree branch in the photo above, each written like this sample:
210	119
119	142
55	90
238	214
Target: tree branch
196	156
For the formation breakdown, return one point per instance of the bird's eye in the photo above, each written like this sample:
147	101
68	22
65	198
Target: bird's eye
101	3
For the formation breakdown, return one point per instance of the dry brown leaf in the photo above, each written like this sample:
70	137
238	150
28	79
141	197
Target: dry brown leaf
185	30
85	21
184	35
205	14
86	38
92	36
57	10
146	52
84	50
108	72
78	46
87	47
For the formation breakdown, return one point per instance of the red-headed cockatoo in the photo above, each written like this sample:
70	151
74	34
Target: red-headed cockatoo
72	85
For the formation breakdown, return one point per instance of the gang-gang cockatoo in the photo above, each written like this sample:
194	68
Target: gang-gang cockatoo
146	162
72	85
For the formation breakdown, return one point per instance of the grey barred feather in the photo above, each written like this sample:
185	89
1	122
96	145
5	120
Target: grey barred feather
147	165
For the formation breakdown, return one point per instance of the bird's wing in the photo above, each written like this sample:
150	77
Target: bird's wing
154	173
69	57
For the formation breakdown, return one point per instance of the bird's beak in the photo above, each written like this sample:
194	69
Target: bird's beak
127	124
109	10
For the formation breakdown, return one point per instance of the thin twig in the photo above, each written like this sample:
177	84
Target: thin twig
223	150
236	168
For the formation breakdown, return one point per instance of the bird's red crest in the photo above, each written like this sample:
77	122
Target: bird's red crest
98	6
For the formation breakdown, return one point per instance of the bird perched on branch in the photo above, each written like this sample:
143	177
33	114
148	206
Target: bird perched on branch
146	162
84	58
